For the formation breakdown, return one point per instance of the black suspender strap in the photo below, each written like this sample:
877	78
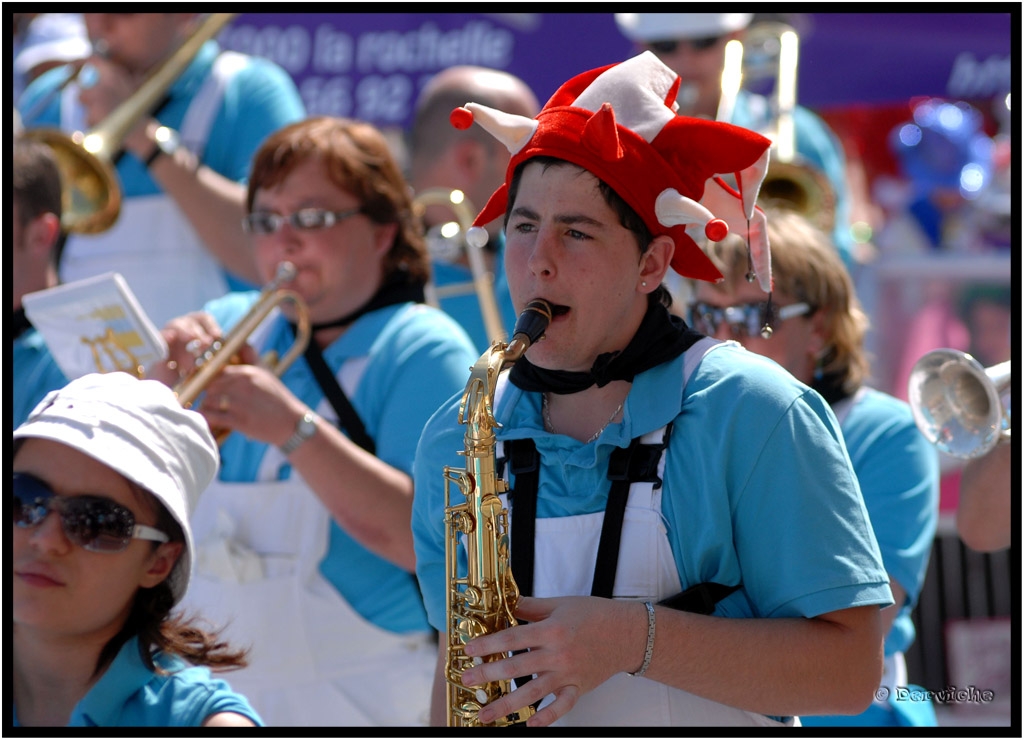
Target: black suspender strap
611	530
637	463
347	416
524	463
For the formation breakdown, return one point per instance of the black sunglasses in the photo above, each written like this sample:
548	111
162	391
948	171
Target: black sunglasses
95	523
668	46
744	320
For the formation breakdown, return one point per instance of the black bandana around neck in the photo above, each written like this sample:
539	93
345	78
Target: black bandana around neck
397	290
662	336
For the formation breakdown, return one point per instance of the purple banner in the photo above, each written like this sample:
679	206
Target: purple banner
372	65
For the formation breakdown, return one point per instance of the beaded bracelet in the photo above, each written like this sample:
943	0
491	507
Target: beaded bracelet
650	641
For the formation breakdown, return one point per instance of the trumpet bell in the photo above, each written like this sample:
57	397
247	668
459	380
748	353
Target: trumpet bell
90	192
956	403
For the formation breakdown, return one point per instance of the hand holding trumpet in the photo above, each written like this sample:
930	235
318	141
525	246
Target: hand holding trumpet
243	396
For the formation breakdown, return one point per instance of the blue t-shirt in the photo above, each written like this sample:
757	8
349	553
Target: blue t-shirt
758	487
415	358
36	373
128	694
898	472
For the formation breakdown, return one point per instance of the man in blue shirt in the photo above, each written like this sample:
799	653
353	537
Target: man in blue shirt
470	161
177	239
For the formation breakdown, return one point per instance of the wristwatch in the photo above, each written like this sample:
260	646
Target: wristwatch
305	429
166	141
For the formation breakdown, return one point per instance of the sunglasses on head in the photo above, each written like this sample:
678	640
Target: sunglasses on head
744	319
95	523
668	46
307	219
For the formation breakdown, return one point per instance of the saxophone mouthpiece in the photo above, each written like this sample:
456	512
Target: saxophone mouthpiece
530	327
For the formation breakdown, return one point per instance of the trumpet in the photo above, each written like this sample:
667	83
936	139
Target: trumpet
771	50
456	233
957	403
483	599
92	193
225	351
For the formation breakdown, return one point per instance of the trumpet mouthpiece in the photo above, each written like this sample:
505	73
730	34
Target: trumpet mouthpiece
286	272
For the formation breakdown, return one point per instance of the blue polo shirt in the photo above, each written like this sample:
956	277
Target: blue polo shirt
758	486
898	472
415	358
35	372
128	694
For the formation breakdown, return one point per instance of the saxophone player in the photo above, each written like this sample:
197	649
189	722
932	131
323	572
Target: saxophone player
686	531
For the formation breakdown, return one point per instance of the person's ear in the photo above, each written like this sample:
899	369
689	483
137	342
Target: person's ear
655	262
41	234
385	235
819	339
161	563
470	160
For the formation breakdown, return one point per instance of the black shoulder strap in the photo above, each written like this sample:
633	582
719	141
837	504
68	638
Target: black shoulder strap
637	463
524	464
347	416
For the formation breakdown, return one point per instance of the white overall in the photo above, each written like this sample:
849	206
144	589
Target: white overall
565	548
314	660
152	245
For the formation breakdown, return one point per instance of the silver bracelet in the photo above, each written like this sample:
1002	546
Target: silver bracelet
650	641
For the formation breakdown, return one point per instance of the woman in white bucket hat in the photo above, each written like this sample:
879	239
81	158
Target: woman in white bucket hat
120	463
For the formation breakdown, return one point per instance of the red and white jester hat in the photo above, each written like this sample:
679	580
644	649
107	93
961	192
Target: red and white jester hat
620	123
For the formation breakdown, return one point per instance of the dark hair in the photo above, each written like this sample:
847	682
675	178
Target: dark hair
37	185
357	159
158	628
629	219
37	188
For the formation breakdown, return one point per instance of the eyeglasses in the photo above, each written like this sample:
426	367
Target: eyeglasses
743	320
668	46
307	219
95	523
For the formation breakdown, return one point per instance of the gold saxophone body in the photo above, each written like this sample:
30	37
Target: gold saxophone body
482	600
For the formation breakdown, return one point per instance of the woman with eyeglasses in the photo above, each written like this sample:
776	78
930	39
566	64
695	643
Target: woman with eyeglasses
814	326
305	547
106	471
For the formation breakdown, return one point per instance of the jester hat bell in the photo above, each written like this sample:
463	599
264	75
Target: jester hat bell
620	123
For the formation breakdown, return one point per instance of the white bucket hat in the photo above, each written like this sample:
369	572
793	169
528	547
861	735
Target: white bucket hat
641	27
138	428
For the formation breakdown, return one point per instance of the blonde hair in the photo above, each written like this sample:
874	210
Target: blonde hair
807	267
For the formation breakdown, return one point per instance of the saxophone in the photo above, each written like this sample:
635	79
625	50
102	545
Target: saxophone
483	600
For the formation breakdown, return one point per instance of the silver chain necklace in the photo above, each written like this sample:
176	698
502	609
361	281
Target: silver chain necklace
551	427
